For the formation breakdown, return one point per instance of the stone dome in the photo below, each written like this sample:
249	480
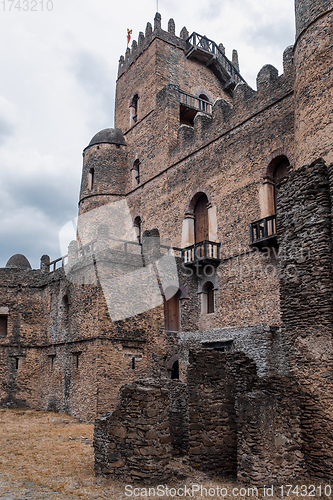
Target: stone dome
108	135
18	261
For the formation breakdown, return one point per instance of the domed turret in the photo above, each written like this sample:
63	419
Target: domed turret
105	173
18	261
108	136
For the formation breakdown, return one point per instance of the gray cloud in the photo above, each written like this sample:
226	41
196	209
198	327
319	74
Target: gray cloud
271	34
6	129
94	75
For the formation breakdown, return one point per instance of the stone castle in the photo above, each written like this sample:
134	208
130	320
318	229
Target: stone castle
196	300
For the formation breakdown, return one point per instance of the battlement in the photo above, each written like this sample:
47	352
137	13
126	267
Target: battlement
194	46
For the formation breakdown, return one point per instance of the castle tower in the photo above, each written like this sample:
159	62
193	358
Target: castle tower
163	81
313	84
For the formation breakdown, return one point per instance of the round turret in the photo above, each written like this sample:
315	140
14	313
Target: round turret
105	173
313	82
18	261
108	136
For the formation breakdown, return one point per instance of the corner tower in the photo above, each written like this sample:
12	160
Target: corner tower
314	80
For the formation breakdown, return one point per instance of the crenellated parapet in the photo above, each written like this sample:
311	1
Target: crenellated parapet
245	105
181	41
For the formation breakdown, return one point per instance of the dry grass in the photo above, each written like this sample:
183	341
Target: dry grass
48	455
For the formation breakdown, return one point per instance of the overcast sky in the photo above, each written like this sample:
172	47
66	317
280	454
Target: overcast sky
57	83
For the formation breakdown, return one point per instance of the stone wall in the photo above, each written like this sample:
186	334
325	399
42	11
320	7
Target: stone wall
269	440
133	442
305	238
214	380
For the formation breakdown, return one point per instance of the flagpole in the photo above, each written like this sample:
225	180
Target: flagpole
156	5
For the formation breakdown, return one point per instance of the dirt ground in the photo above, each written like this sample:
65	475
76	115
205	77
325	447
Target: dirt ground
49	456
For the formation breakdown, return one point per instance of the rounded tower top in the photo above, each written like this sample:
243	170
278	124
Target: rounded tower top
307	11
108	135
18	261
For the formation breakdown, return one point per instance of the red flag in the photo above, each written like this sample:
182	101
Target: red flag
129	32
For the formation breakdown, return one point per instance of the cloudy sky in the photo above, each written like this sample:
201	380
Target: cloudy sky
57	83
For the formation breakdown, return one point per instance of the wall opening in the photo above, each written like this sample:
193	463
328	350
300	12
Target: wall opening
175	370
136	173
172	312
138	228
91	179
3	325
208	298
134	109
280	171
206	105
201	221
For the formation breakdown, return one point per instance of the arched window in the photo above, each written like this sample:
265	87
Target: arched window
137	226
208	298
91	179
134	109
280	170
136	173
172	312
201	223
204	103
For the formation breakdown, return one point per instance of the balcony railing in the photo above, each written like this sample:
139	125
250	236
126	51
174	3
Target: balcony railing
263	232
206	252
193	102
205	45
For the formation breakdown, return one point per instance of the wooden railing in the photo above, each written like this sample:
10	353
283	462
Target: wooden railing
204	252
263	231
210	46
191	101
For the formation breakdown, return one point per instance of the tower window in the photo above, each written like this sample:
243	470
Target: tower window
138	229
208	298
280	171
91	179
134	109
136	173
175	370
3	325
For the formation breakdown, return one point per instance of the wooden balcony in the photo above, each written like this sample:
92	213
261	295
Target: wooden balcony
263	233
190	105
203	49
204	253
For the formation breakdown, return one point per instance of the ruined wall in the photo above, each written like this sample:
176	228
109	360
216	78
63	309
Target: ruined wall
269	438
133	442
305	238
214	379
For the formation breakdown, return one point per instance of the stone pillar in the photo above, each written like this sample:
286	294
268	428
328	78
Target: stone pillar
266	198
45	264
212	223
188	231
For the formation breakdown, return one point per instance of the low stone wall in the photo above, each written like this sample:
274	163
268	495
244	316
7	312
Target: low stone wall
214	379
133	442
